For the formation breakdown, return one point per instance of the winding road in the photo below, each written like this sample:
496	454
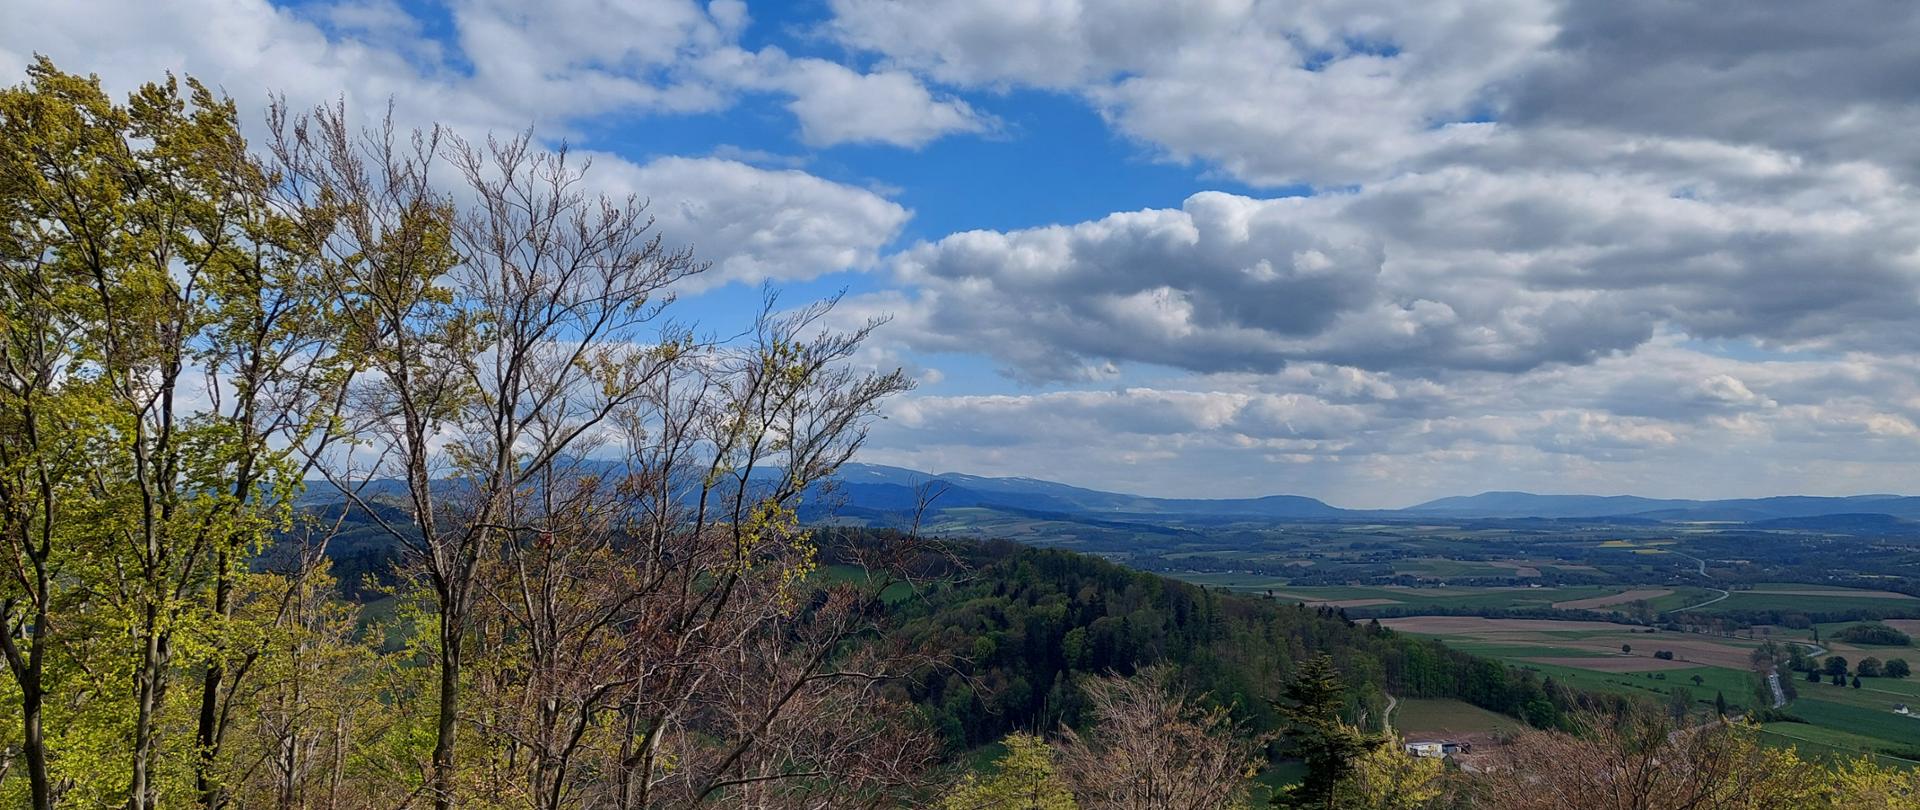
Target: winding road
1703	572
1723	595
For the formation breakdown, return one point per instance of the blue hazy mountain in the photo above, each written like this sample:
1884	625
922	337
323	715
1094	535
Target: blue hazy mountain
878	489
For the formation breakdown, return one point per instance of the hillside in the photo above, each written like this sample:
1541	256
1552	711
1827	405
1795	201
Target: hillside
1029	623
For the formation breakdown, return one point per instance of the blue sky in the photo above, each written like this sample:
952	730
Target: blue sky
1370	252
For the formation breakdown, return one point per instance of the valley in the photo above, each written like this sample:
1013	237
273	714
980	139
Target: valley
1680	603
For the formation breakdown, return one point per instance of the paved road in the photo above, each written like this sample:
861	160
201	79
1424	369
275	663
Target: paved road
1723	595
1779	694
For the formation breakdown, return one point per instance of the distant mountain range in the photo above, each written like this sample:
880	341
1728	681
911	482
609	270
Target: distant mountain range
872	489
881	488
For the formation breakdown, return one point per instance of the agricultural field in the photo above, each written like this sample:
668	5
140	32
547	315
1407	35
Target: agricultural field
1840	720
1561	598
1780	596
1437	718
1363	601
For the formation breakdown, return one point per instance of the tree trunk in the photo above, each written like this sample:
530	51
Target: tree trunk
210	731
151	681
443	753
27	671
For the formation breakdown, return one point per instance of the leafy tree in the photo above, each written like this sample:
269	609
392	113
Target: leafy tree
1310	711
161	322
1868	667
1856	682
1022	779
1384	777
1896	668
1835	665
1626	649
1873	633
1813	676
1719	704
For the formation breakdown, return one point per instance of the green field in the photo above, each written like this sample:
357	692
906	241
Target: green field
1841	720
1427	717
1812	598
1402	600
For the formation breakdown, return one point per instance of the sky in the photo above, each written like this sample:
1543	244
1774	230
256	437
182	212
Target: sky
1371	251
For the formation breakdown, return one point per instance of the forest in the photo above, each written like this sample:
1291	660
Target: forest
368	467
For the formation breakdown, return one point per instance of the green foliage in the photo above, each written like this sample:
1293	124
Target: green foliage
1032	621
1309	710
1022	779
1873	633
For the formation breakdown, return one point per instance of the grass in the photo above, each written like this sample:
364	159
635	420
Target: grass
1827	743
1814	598
1419	717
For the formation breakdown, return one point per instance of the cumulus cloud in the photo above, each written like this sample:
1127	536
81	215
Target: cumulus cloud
759	224
835	104
1326	92
552	65
1459	269
1671	420
507	64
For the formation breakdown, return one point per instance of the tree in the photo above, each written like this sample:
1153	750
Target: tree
1856	681
1813	676
170	337
1679	704
1626	649
1386	778
1022	779
1150	748
1896	668
1868	667
1719	704
1863	783
1698	681
1310	709
1835	665
1643	761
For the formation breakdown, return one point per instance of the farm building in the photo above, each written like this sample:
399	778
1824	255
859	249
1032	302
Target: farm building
1437	748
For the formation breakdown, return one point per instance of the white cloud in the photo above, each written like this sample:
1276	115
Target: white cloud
1328	93
1458	269
552	65
759	224
836	105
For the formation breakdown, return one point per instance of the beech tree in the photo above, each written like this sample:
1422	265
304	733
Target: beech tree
163	353
1151	749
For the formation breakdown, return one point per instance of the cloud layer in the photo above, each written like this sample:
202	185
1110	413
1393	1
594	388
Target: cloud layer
1626	246
1609	245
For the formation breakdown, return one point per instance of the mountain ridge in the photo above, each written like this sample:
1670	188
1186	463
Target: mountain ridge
882	488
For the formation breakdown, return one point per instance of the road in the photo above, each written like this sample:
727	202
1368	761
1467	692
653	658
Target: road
1702	564
1386	717
1696	560
1779	694
1723	595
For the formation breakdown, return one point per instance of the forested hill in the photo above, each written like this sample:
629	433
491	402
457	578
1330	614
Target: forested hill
1025	624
